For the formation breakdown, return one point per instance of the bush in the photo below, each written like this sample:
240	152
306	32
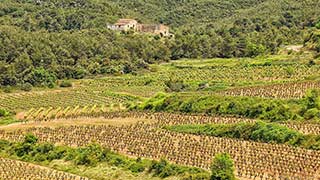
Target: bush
197	176
65	84
318	25
222	167
156	103
7	89
26	87
312	114
41	77
136	167
175	86
4	113
259	131
161	168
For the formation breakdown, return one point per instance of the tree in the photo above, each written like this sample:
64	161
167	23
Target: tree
222	167
318	25
312	99
41	77
31	139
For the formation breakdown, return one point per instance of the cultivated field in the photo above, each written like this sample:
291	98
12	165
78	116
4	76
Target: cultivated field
12	169
105	111
142	138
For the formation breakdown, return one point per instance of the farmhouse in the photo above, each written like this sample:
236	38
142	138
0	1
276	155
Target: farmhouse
158	29
124	25
132	24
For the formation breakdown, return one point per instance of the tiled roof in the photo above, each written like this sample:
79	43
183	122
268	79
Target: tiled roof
124	21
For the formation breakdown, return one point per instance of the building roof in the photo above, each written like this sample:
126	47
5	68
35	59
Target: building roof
125	21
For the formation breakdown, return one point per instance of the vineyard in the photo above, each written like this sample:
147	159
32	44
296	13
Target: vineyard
45	114
14	170
249	74
257	160
285	90
158	119
106	111
63	99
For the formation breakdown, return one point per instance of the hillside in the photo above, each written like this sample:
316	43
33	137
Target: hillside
42	41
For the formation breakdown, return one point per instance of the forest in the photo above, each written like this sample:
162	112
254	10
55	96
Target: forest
44	41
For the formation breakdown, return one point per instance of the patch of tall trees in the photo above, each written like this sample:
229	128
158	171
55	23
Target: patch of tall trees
42	41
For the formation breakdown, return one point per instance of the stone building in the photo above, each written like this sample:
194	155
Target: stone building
158	29
131	24
124	25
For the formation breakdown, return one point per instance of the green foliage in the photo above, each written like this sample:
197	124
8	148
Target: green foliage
222	168
64	55
65	84
196	176
41	77
137	166
259	131
155	104
26	87
175	86
90	155
72	40
274	110
164	169
313	113
161	168
7	89
4	113
318	25
30	139
312	99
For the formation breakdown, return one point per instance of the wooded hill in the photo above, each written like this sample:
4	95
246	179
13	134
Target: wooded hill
41	41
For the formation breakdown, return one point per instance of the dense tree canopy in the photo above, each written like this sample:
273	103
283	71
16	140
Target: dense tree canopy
41	41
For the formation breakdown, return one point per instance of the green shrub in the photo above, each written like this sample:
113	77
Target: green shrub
7	89
41	77
197	176
156	103
136	167
222	167
175	86
161	168
312	114
259	131
318	25
65	84
29	150
26	87
4	144
30	138
4	113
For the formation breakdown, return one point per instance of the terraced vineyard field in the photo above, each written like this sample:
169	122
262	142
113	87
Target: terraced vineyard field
285	90
53	99
14	170
103	111
252	159
45	114
242	73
